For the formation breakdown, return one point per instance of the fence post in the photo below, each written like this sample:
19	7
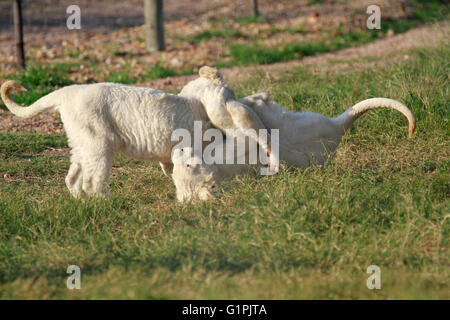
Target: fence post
255	8
18	32
154	25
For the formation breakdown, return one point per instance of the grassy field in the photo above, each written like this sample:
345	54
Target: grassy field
383	200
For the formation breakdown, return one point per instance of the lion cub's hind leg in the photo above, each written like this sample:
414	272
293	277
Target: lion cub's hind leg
74	178
96	168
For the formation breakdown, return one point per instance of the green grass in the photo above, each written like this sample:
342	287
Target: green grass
73	53
383	200
246	54
298	29
213	33
257	53
15	144
41	80
54	75
121	76
315	2
157	72
250	19
431	10
116	50
230	35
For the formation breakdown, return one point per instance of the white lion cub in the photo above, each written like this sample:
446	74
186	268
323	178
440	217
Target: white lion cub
225	112
104	118
304	138
308	137
196	180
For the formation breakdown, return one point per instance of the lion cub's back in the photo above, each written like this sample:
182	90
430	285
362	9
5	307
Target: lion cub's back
145	118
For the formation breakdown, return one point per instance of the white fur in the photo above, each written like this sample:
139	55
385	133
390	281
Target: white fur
308	137
224	111
305	138
196	180
105	118
192	180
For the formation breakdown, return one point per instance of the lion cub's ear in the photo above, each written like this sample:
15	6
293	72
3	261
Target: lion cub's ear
181	155
210	73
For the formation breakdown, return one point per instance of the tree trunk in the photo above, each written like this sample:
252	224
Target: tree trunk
154	25
18	33
255	8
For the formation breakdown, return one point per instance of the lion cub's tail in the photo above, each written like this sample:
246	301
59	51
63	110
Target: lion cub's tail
346	119
39	106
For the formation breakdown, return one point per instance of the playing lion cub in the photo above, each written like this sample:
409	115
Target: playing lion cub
304	138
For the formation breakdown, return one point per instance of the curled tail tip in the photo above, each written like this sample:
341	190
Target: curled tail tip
12	85
412	127
412	124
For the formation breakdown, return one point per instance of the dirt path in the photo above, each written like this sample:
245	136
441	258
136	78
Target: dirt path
429	36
